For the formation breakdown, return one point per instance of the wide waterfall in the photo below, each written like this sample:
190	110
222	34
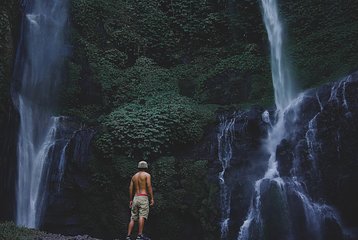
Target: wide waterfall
38	74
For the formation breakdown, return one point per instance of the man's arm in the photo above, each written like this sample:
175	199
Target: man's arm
150	190
131	193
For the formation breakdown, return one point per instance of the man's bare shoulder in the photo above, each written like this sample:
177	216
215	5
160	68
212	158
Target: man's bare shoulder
135	176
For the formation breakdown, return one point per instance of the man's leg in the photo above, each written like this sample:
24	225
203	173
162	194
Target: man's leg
130	227
141	225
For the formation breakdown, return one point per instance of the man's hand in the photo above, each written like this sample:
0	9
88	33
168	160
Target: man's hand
152	202
130	204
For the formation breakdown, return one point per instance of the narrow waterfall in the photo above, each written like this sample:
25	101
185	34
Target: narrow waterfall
38	74
281	78
225	139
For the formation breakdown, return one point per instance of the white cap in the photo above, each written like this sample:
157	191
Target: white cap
142	164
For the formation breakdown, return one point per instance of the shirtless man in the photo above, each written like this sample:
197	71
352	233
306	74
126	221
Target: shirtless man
141	185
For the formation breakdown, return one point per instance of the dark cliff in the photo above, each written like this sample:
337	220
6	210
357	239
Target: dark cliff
319	151
9	26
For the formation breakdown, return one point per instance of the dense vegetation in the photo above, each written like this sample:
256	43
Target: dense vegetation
322	39
151	76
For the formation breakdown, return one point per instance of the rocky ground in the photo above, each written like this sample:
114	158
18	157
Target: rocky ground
9	231
60	237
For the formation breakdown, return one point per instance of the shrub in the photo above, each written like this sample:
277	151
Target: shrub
163	122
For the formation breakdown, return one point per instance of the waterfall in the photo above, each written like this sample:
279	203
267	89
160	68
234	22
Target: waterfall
281	207
281	79
225	139
38	74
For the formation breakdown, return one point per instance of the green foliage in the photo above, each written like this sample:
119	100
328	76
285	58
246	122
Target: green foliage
9	230
196	22
107	198
181	197
203	194
71	90
155	127
145	79
165	30
131	27
323	39
103	144
245	21
254	75
166	180
126	50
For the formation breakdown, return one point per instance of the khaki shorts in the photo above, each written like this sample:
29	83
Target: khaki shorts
140	207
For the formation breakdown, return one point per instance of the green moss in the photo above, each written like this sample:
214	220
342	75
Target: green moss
9	230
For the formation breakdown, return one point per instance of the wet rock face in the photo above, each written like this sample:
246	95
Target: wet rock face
8	164
322	146
65	193
247	163
275	215
8	115
284	158
337	156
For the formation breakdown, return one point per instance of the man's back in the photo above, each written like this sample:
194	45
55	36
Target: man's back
140	181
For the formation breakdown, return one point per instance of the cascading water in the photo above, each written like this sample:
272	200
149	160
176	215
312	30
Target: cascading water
282	82
225	138
283	96
38	73
273	212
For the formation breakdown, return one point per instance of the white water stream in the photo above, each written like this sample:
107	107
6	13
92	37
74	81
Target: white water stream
39	72
315	214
